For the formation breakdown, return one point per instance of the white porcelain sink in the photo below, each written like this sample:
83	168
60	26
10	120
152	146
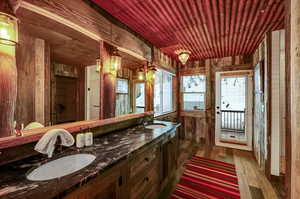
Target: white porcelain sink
155	126
61	167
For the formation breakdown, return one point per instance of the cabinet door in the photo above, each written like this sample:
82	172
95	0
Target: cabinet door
105	186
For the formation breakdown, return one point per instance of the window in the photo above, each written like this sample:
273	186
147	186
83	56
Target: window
163	95
122	97
140	97
193	92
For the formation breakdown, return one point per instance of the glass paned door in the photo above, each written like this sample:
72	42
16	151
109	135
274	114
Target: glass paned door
233	103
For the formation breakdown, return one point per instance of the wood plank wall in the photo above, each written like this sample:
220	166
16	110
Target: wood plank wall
199	126
28	64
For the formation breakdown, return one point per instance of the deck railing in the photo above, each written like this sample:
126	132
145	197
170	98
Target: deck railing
233	120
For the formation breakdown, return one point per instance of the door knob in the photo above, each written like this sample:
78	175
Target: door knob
218	112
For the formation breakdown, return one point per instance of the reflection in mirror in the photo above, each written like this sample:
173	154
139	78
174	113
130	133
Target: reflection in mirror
92	93
58	80
122	97
140	97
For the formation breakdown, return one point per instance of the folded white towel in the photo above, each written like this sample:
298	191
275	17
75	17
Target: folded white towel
46	144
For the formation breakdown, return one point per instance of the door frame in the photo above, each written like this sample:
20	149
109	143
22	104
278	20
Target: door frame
248	113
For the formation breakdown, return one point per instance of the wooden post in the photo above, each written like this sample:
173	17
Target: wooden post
295	96
149	91
8	82
209	107
287	178
8	89
107	84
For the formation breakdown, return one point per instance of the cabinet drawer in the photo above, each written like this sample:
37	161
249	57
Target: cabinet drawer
147	184
143	160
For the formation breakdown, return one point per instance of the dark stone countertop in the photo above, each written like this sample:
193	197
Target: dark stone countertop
108	149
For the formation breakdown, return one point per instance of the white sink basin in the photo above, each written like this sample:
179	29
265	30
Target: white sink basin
155	126
61	167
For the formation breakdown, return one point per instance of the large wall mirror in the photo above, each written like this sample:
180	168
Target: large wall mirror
59	79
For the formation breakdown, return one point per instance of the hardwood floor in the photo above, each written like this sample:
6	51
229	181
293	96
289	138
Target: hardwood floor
253	183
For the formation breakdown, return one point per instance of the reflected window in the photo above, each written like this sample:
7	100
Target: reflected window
122	97
193	92
140	97
163	96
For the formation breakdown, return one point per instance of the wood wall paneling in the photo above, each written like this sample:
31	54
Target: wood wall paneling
39	81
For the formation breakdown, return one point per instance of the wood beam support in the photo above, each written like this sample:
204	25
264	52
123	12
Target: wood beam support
8	81
149	86
8	89
107	83
294	139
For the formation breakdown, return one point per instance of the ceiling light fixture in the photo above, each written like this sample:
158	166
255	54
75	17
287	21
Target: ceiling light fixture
183	55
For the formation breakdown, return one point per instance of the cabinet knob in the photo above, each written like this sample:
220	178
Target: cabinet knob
146	179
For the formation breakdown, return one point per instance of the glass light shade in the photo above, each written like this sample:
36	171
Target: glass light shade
8	29
183	57
98	65
140	75
116	61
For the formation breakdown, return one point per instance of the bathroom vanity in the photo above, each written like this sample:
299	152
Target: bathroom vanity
136	162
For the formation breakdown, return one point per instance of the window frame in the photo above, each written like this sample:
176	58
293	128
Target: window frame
200	92
164	72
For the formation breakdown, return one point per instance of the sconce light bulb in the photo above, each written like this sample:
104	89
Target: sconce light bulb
4	34
141	77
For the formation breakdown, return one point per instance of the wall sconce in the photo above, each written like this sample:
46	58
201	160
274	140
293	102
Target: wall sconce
98	65
116	61
140	74
151	73
8	25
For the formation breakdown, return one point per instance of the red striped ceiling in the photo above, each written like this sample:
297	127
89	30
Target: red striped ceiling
208	28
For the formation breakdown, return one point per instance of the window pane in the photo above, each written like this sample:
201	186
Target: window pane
194	101
140	97
194	83
233	93
122	86
122	104
163	92
167	92
158	92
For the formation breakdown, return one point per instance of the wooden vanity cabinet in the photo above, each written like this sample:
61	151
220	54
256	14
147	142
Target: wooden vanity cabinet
105	186
142	176
144	172
169	158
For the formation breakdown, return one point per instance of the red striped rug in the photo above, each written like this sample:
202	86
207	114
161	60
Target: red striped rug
207	179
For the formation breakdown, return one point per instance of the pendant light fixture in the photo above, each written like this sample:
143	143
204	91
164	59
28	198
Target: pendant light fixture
8	24
183	55
140	74
98	65
116	60
152	71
